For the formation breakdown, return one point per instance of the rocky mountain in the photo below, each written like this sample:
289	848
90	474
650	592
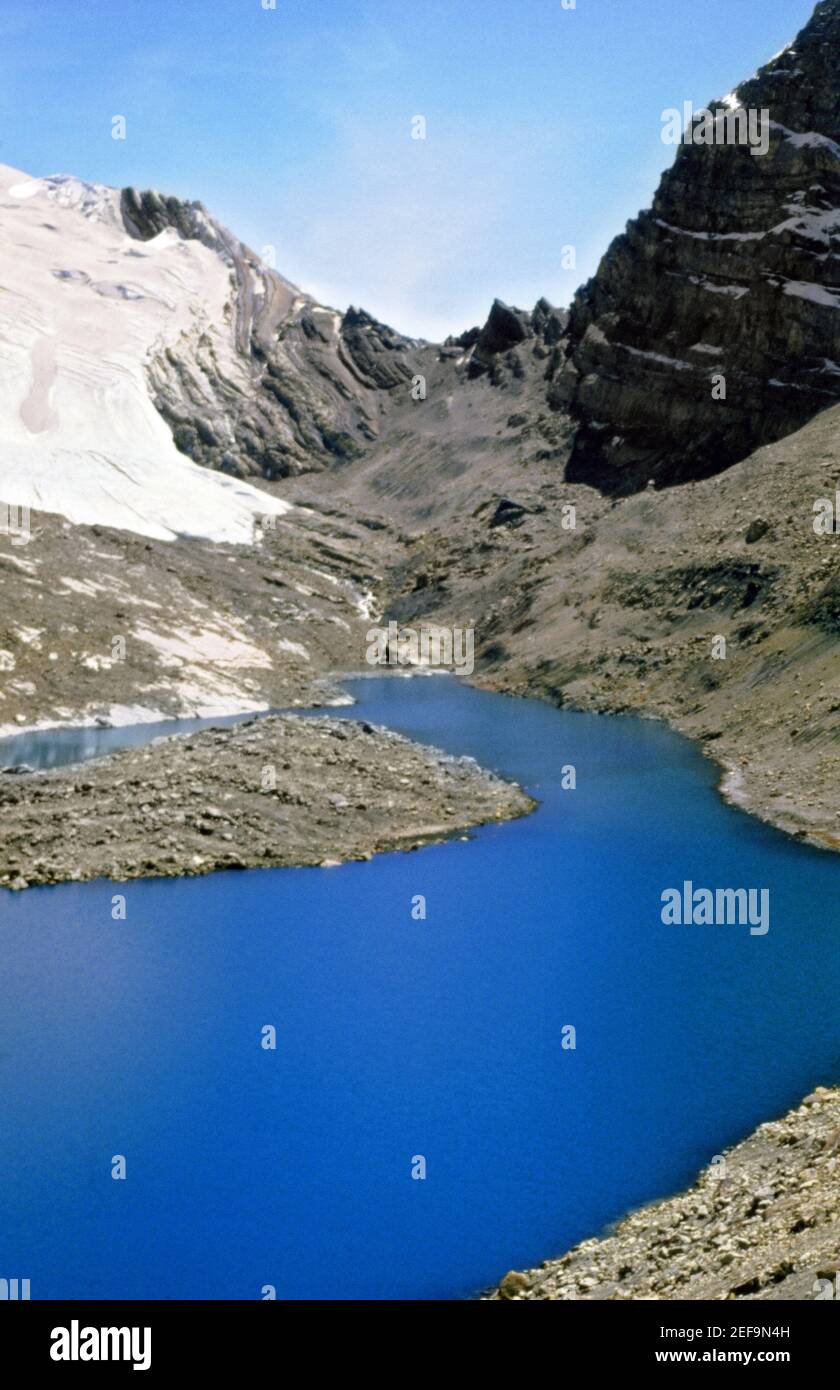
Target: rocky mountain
156	377
521	481
144	341
733	274
78	332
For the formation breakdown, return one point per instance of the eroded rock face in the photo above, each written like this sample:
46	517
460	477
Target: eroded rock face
733	274
312	383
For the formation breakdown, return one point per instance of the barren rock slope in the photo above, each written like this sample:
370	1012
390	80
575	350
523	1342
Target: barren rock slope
763	1224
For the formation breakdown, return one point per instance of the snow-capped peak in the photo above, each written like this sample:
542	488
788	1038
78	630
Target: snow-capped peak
92	200
84	308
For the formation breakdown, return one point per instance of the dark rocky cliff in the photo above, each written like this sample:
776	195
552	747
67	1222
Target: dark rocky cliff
734	273
316	381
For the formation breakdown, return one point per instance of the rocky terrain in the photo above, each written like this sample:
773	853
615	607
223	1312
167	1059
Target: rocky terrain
266	793
763	1223
619	604
102	625
469	501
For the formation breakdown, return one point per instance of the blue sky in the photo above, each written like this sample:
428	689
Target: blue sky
293	126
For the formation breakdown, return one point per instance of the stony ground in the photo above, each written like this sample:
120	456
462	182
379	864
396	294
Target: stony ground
100	624
269	792
763	1224
616	613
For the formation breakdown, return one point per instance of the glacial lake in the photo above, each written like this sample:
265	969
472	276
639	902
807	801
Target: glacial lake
397	1037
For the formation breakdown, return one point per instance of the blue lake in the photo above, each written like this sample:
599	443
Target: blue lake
398	1038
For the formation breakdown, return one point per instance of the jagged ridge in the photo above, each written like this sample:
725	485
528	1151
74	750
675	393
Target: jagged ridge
315	378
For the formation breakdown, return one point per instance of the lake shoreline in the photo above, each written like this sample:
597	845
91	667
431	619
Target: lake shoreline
592	1268
742	781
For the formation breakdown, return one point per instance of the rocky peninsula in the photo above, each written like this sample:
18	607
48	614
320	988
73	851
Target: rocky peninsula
271	792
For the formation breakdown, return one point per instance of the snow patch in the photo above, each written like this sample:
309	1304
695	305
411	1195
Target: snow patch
657	357
296	648
735	291
185	645
817	294
95	662
89	587
366	605
712	236
808	139
812	224
781	53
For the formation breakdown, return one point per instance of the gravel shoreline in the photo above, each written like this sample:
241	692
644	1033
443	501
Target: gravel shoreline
272	792
762	1224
